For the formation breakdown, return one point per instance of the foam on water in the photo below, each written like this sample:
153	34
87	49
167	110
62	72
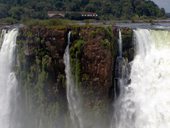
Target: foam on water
145	102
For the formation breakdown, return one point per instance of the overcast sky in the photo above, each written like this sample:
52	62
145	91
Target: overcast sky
163	3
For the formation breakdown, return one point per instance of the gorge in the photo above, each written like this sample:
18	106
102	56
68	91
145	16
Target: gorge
84	77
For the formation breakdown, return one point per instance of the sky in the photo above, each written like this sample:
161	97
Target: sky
163	4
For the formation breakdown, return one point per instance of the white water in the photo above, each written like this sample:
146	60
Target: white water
145	103
72	92
8	82
120	43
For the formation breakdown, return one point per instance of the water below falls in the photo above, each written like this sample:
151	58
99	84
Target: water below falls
145	103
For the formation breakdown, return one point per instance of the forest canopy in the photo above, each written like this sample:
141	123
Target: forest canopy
106	9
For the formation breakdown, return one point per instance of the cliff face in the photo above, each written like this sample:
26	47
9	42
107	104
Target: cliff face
41	73
128	46
42	49
92	67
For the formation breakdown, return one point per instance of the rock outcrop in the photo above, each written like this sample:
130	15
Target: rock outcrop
40	71
40	67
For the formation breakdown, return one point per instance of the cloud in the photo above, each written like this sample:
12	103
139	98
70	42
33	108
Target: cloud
163	4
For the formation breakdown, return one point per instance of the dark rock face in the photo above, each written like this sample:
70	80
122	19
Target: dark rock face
128	46
96	63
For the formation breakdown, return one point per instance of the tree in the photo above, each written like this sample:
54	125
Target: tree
4	10
127	9
106	9
89	8
17	12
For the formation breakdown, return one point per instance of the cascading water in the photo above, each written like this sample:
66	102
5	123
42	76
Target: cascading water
8	82
121	69
72	93
120	43
145	102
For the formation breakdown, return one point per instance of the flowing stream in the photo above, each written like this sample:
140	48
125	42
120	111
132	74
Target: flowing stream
145	102
72	92
8	82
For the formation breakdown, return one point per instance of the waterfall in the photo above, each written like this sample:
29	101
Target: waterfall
120	43
8	82
72	92
121	74
145	102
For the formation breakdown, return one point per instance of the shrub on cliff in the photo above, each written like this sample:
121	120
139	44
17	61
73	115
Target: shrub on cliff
47	23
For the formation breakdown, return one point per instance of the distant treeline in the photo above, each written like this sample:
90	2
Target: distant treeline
168	15
106	9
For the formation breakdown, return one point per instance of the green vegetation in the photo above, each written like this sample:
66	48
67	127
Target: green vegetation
75	53
107	41
51	23
34	76
22	10
128	46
